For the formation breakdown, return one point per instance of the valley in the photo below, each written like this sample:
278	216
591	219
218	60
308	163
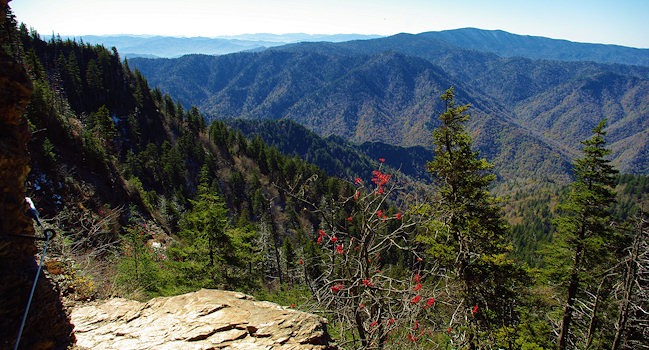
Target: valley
385	90
455	189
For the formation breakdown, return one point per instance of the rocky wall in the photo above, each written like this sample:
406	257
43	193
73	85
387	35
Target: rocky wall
47	325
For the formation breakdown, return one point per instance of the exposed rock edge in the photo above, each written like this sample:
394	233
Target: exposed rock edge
206	319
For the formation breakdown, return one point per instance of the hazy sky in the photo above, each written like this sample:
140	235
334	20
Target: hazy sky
622	22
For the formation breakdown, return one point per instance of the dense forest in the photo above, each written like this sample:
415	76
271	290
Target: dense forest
150	199
528	114
334	154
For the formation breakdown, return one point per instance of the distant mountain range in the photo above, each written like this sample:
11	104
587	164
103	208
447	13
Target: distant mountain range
499	42
528	114
505	44
151	46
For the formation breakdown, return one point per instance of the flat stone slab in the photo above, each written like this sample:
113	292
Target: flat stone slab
206	319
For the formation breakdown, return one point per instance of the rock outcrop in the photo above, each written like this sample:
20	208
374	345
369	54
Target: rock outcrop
47	326
206	319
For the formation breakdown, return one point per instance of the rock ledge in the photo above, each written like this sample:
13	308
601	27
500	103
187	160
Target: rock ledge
206	319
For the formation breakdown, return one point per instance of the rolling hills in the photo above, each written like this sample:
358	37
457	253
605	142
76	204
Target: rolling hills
153	46
387	97
528	114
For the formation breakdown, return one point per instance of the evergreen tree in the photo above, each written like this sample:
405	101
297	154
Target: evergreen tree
9	43
34	66
203	230
469	232
61	64
95	93
289	256
214	254
74	78
102	124
584	230
137	267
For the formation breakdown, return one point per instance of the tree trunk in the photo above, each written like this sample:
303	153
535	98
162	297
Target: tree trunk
359	327
593	316
570	301
630	277
277	257
211	247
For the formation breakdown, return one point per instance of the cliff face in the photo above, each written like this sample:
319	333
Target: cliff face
47	325
206	319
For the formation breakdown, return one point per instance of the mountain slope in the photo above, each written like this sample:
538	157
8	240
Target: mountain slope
386	89
568	112
520	84
621	99
497	42
132	159
506	44
334	154
387	97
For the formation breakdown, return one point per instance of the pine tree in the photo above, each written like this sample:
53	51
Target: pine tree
468	236
204	231
95	93
584	230
102	124
74	78
137	267
289	257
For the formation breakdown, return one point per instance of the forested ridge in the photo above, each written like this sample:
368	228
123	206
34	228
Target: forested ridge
528	113
104	166
499	42
506	44
334	154
153	198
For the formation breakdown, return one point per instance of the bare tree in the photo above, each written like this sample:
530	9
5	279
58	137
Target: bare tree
368	299
632	325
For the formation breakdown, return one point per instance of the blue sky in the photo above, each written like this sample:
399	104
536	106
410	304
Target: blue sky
621	22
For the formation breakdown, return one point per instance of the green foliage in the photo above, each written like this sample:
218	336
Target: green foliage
468	234
585	242
99	124
94	150
529	113
103	126
135	186
34	66
286	295
9	43
531	211
141	266
211	253
586	213
336	156
38	110
289	255
48	151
